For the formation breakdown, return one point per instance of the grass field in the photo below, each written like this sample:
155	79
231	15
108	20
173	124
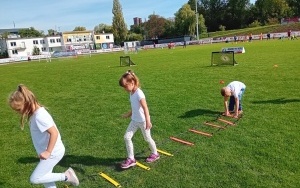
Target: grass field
182	91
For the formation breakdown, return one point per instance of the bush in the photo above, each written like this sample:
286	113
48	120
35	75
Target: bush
273	21
222	27
255	24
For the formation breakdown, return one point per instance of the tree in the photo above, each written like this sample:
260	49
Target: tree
236	13
79	28
36	51
103	28
213	12
295	7
31	32
185	20
155	26
5	35
119	27
134	37
268	9
52	32
202	27
170	30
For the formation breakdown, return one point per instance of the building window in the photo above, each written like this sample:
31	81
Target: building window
107	36
14	51
98	37
42	41
44	49
69	40
35	42
58	40
13	44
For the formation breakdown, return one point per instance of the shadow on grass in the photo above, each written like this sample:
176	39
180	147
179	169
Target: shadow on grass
199	112
276	101
86	160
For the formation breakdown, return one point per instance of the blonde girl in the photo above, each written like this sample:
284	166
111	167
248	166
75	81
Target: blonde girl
45	137
140	119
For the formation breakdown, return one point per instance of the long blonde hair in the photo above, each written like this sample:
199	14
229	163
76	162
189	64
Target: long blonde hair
129	76
24	101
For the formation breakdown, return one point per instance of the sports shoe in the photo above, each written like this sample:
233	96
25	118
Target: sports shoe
72	178
128	163
153	157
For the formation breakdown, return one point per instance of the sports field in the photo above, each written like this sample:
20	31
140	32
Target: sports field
183	91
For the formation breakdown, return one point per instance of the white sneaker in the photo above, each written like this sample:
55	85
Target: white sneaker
72	178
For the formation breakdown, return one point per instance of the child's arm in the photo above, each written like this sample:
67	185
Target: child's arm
146	112
53	132
226	113
127	115
237	105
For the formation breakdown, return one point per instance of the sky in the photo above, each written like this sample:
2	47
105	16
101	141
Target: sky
65	15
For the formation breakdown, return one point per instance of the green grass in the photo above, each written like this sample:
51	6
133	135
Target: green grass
182	91
277	28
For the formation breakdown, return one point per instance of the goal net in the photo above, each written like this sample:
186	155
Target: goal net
126	61
223	58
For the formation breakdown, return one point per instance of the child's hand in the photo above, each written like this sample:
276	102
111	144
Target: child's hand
236	116
148	125
226	114
45	155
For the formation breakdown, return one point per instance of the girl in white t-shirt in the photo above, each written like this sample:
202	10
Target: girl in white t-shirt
45	137
140	118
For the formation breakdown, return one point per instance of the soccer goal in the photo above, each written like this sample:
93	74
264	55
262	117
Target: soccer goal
126	61
223	58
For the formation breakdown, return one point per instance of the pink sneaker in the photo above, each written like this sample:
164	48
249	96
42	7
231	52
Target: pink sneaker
72	178
152	158
128	163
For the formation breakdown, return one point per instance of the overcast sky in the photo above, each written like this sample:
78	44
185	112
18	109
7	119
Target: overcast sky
65	15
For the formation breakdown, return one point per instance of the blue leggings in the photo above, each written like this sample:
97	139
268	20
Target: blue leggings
232	101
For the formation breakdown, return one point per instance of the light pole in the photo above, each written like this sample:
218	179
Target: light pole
197	24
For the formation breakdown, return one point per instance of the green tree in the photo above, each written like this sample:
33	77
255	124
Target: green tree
31	32
79	28
170	30
4	35
295	7
155	26
118	25
202	27
51	32
185	20
103	28
267	9
236	13
36	51
214	12
134	37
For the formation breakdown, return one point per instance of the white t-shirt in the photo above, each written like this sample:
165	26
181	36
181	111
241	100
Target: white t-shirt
236	87
40	122
138	114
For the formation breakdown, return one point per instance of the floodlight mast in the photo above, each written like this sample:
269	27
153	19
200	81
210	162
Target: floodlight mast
197	23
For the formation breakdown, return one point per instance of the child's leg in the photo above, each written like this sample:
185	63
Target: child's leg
240	99
148	138
131	129
43	172
231	103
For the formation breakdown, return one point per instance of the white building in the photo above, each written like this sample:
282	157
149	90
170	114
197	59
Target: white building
24	47
78	41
